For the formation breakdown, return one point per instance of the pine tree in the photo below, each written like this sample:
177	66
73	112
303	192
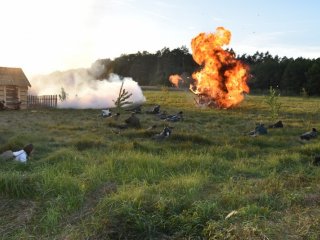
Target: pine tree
63	95
122	98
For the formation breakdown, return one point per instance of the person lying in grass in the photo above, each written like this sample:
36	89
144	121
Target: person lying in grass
20	156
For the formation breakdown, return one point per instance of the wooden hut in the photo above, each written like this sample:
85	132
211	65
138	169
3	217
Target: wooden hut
13	88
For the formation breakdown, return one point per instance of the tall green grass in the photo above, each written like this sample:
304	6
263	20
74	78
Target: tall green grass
86	180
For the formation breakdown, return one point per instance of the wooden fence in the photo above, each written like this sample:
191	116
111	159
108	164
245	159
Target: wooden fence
44	101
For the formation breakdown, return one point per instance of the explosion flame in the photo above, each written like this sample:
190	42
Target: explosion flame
222	81
175	80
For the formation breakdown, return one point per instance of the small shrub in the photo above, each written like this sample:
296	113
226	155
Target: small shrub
273	101
122	99
63	95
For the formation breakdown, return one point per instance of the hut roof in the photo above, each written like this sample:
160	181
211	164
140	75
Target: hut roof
13	76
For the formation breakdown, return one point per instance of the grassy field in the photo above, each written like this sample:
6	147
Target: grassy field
209	180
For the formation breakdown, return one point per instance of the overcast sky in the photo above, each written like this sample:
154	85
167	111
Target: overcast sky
43	36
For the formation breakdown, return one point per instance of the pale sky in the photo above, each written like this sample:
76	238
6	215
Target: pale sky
42	36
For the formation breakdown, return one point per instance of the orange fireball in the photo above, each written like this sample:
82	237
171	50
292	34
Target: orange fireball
175	79
222	79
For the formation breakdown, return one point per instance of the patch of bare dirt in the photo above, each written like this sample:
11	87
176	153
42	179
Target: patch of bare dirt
15	214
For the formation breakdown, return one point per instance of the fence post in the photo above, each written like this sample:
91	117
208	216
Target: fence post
50	101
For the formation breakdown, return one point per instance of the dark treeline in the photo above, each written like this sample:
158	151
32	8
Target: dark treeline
290	76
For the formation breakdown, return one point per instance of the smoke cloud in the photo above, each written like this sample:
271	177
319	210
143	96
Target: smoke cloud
84	90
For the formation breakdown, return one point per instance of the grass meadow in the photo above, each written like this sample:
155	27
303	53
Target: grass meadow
208	180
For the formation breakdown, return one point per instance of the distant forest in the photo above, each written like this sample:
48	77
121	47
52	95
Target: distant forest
290	76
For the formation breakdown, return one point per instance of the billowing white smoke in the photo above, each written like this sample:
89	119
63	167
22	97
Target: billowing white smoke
83	90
